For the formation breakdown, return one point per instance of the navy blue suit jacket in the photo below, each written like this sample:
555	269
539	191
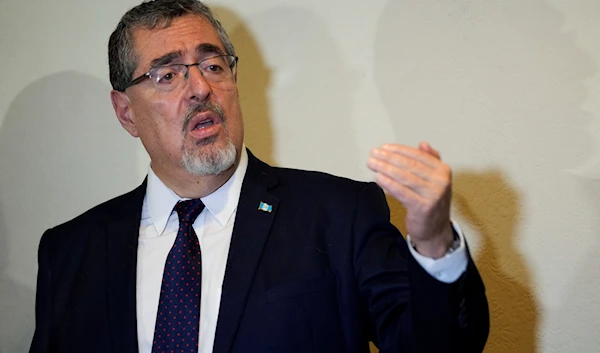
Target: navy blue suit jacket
325	271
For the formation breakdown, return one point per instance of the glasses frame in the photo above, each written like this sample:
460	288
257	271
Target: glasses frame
147	75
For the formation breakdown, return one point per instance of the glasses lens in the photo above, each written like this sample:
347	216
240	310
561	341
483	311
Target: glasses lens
218	69
168	78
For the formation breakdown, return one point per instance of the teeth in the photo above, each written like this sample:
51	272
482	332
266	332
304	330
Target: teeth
204	124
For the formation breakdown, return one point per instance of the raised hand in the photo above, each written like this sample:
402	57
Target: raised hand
419	179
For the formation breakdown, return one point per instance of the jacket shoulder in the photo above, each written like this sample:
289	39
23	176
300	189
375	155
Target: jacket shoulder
303	181
326	190
316	180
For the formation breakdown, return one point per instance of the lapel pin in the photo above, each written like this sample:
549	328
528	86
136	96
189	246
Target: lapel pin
265	207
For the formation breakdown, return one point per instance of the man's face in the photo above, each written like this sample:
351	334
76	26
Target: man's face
198	128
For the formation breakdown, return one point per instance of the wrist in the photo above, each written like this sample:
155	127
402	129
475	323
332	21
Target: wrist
436	246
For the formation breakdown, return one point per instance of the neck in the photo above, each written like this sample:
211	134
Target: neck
186	185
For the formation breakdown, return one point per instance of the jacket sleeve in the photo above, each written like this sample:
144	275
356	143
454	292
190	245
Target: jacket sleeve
407	309
41	337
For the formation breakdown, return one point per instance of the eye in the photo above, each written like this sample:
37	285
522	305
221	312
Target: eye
166	75
214	68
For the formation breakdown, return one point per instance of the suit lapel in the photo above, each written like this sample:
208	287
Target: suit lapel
121	258
250	234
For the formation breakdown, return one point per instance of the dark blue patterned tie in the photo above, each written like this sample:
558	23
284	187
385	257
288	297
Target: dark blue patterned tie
177	319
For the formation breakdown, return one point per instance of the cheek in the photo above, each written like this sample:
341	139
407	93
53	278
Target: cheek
229	101
159	121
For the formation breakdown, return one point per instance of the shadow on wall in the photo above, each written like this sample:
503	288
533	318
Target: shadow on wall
16	305
491	205
62	151
253	81
453	73
295	79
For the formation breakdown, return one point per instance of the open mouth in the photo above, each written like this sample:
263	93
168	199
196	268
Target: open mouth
204	124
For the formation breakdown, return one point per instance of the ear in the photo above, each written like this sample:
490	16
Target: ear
122	106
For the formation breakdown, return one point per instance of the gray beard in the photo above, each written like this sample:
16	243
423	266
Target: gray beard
213	161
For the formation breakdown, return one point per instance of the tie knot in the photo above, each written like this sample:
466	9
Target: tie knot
189	210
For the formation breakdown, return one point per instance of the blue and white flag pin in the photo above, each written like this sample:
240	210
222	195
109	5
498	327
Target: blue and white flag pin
265	207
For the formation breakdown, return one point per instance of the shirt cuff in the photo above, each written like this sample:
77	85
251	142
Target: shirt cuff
448	268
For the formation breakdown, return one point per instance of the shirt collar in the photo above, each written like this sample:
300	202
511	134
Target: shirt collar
221	204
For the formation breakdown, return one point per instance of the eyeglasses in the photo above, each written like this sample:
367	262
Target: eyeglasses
217	70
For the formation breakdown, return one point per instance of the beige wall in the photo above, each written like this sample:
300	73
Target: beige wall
509	91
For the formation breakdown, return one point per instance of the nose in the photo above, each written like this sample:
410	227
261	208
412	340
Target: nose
197	86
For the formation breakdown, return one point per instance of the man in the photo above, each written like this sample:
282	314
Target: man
218	252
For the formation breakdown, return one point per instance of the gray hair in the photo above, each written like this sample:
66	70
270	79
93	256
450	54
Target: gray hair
122	61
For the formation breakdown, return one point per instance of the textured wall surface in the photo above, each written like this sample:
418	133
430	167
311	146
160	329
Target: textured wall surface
508	91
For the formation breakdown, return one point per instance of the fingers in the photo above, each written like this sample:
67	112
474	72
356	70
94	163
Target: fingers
419	170
426	147
426	157
399	175
424	162
402	162
402	193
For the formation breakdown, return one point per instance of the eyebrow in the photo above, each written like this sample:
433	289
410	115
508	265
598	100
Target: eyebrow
165	59
204	48
207	48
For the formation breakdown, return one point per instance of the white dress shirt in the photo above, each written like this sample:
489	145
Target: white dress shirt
214	227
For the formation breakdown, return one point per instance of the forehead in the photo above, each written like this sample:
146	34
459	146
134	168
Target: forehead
184	35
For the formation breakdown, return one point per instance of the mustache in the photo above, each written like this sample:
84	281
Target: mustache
208	106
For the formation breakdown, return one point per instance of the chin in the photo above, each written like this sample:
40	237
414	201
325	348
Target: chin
208	158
